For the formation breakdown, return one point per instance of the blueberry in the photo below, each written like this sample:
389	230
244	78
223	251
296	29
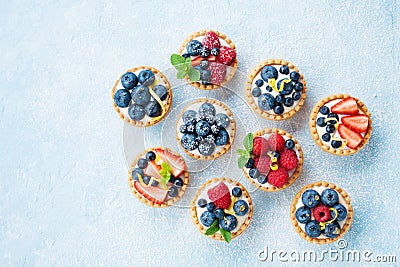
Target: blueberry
313	229
153	109
207	108
178	182
203	128
294	76
287	87
189	115
269	72
298	87
122	98
330	128
240	207
142	163
336	143
262	179
269	88
288	102
341	212
256	92
129	80
222	120
191	127
142	96
205	52
228	223
276	155
193	48
215	51
161	91
189	142
185	55
210	206
289	144
278	109
324	110
237	192
215	129
136	112
321	122
199	139
332	230
206	148
202	203
303	214
150	156
259	83
183	128
296	96
205	76
329	197
204	64
219	213
310	198
254	173
146	77
222	138
279	99
173	191
250	163
171	179
284	69
333	115
266	101
146	179
135	173
154	183
199	68
210	138
326	137
207	218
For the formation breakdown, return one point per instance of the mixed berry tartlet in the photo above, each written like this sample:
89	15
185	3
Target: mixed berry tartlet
142	96
213	55
206	129
221	209
340	124
158	177
276	89
271	159
321	212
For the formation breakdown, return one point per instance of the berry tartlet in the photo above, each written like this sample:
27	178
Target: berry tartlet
321	212
158	177
142	96
271	159
213	55
221	209
206	129
340	124
275	89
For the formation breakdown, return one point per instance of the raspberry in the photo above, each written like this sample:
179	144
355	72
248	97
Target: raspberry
260	146
211	40
288	159
220	195
321	213
263	164
276	142
226	55
218	72
278	178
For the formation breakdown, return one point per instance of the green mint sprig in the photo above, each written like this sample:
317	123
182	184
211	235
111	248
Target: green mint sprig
165	173
215	228
245	154
226	235
184	68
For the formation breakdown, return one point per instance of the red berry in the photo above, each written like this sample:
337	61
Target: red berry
263	164
288	159
218	72
278	178
226	55
220	195
321	213
276	142
211	40
260	146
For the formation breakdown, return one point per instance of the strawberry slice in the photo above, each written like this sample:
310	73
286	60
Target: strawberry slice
153	194
226	55
153	170
211	40
218	72
347	106
353	138
358	123
176	162
220	195
196	61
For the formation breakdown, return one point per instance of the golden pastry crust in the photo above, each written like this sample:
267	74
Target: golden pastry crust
346	226
234	64
144	200
254	105
296	173
316	137
203	229
232	132
146	121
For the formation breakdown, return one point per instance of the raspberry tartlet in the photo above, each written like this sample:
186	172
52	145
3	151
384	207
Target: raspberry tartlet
221	209
142	96
158	177
340	124
213	55
206	129
271	159
275	89
321	212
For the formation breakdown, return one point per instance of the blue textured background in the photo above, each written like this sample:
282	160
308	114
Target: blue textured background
64	198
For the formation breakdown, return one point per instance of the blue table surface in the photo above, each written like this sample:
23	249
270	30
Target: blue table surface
64	198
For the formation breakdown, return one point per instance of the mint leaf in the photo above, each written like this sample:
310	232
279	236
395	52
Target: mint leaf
242	161
181	74
177	60
226	235
248	142
165	172
242	152
194	75
181	67
213	228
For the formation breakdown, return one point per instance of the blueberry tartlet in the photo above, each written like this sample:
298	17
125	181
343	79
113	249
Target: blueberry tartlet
321	212
158	177
271	159
340	124
142	96
213	55
206	129
221	209
275	89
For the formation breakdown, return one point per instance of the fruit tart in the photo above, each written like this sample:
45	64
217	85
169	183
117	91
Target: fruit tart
221	209
340	124
206	129
321	212
158	177
271	159
142	96
275	89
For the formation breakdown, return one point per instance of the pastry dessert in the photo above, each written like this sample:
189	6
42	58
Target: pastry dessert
206	129
321	212
221	209
275	89
271	159
142	96
212	56
340	124
158	177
